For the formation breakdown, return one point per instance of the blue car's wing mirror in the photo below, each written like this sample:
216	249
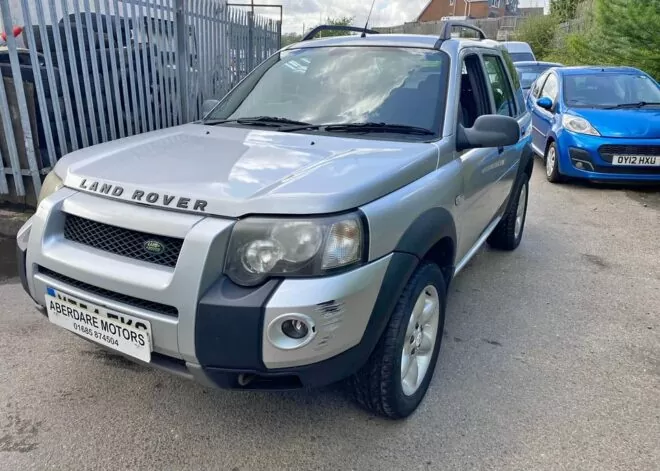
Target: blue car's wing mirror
545	103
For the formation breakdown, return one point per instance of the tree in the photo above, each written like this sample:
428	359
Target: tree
628	33
290	38
539	32
342	21
564	10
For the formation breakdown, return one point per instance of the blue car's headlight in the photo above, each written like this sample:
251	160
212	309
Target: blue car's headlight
578	125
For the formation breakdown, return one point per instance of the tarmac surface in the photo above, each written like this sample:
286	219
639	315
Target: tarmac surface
550	360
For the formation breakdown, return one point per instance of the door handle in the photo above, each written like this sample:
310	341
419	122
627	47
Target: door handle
500	150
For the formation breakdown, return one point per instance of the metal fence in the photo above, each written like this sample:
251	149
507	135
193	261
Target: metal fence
83	72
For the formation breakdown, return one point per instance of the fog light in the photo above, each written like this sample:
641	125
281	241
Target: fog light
579	165
295	329
290	331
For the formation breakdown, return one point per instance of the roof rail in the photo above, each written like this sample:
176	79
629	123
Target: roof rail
318	29
448	26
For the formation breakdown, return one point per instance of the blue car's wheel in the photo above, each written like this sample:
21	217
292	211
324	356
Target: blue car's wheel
552	164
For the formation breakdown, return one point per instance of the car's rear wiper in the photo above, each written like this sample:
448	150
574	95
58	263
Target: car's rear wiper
639	104
259	120
364	127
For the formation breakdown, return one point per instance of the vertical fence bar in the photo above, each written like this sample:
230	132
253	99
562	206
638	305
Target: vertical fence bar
74	70
107	79
162	92
11	139
95	72
22	103
128	24
127	117
154	70
4	187
173	102
82	51
52	80
41	94
115	76
204	50
181	59
144	73
139	54
195	70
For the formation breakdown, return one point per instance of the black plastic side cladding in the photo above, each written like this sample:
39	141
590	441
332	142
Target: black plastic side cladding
228	326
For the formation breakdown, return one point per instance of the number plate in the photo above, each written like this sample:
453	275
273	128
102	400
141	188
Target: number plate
121	332
637	160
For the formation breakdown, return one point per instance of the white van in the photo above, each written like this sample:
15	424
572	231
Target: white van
519	51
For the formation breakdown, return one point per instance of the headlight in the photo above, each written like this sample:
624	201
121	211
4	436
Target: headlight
261	248
578	125
51	184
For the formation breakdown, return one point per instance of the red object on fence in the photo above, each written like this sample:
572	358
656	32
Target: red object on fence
16	32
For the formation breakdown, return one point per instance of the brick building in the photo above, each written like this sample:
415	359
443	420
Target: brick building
435	10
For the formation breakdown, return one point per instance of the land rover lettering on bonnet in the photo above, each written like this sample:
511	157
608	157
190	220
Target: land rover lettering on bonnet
333	196
144	196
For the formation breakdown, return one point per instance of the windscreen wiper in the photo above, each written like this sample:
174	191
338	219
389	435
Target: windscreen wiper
258	120
364	127
639	104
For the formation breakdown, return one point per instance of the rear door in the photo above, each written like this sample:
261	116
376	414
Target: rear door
503	170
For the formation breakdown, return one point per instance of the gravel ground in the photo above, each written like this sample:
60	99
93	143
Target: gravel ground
550	360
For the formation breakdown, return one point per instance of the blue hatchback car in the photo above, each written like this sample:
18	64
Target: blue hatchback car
597	123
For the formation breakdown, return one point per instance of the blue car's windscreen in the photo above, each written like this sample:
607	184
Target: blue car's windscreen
607	89
405	86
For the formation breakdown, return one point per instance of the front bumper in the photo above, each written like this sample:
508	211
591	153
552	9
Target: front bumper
218	334
580	156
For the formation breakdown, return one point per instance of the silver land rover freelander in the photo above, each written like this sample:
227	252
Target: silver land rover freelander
306	230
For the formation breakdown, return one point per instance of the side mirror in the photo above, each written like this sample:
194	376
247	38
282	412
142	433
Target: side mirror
488	131
208	105
545	103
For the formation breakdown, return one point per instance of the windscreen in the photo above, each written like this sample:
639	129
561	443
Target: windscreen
529	73
603	90
521	56
338	85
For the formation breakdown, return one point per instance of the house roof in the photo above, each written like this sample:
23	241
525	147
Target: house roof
430	2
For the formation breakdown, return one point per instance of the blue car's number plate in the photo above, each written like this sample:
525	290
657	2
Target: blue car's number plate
644	160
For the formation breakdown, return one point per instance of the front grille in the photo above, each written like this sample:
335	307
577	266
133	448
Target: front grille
124	242
608	150
119	298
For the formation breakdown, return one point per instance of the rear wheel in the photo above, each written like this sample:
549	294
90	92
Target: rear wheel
397	375
552	164
508	233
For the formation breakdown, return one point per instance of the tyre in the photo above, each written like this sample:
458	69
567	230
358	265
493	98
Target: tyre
508	233
552	164
397	375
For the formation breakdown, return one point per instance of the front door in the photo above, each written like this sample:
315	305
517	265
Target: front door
479	166
542	119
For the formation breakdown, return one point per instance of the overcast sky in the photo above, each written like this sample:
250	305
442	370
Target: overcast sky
386	12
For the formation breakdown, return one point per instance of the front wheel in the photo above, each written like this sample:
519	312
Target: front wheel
552	164
396	377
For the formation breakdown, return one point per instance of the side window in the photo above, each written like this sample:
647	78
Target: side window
536	89
499	84
473	101
550	88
